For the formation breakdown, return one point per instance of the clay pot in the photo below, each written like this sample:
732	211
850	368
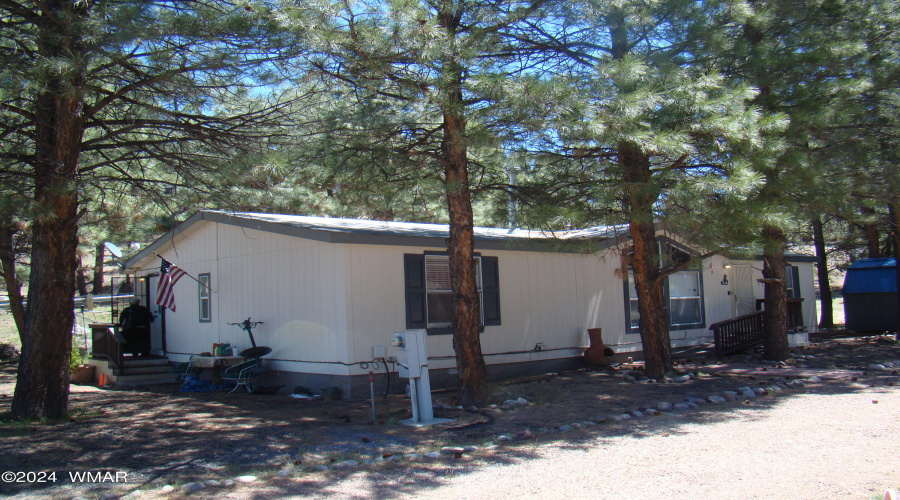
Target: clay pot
597	353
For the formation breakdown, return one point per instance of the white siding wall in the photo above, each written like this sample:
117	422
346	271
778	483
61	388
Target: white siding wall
334	302
296	286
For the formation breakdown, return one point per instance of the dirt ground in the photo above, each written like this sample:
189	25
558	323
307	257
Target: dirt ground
159	435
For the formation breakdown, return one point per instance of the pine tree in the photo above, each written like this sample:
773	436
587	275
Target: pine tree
118	97
437	78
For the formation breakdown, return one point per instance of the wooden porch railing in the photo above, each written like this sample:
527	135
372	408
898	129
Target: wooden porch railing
738	333
108	344
794	313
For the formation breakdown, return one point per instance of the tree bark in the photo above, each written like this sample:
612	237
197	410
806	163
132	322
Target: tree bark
100	256
80	279
8	262
42	383
775	345
870	229
470	364
645	263
825	299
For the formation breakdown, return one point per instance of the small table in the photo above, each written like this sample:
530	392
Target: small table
215	361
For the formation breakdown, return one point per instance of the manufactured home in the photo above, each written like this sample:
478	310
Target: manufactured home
332	292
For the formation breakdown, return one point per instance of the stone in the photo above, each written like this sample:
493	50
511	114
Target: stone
760	391
491	447
693	406
779	387
588	423
493	407
576	425
452	450
245	479
228	483
729	395
565	428
652	412
877	367
368	461
504	438
511	403
716	400
412	456
522	401
636	414
470	448
504	407
432	455
621	417
472	408
797	383
664	406
696	401
167	489
771	389
681	406
191	487
601	419
320	467
526	434
629	378
283	473
682	379
212	483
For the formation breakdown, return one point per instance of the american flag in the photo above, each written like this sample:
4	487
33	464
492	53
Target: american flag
169	274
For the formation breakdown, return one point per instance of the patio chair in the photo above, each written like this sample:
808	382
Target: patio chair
244	374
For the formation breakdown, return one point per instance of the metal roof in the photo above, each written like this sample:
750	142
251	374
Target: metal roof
871	276
360	226
372	232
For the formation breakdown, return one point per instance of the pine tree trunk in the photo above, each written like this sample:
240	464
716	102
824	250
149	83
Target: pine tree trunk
640	196
827	319
775	344
42	383
870	229
470	364
80	279
100	256
8	261
645	264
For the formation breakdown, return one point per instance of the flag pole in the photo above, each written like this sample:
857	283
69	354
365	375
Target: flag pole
182	270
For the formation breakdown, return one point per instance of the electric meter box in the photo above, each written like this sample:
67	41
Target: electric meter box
411	356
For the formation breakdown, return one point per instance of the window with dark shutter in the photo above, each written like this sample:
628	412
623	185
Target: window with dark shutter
429	298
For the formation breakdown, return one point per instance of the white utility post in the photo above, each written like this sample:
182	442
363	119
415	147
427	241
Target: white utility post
413	364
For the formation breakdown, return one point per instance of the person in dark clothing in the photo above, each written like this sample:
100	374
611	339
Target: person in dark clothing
134	322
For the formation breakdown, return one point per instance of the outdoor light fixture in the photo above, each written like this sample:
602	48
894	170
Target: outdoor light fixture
725	279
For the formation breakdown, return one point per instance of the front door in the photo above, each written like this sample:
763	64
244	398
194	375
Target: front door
742	290
157	344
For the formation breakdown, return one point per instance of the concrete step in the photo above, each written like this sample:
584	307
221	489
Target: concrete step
143	370
144	361
146	379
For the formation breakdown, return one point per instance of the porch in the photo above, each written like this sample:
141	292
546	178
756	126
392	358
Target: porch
748	330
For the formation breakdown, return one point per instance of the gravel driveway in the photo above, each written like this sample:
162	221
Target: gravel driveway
817	445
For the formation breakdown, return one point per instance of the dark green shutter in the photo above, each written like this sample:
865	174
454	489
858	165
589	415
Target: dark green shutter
490	289
414	278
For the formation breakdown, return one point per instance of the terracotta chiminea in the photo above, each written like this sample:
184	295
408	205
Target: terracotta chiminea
597	354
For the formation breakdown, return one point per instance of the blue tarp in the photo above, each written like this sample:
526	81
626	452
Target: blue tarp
871	276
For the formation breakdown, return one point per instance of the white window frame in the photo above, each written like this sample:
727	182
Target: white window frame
204	295
444	260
